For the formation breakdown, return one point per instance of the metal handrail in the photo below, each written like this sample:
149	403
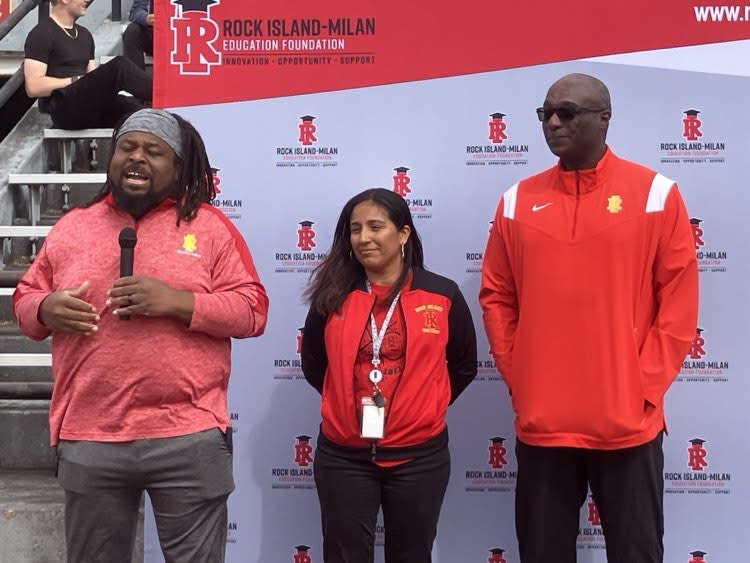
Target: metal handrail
18	14
116	10
10	87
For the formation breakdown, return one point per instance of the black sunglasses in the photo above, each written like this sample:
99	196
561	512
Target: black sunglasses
564	113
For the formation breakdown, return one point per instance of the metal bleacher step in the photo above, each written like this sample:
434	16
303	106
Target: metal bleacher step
77	134
25	359
7	231
36	178
62	149
24	433
35	181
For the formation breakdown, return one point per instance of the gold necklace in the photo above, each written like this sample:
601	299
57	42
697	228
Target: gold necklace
64	29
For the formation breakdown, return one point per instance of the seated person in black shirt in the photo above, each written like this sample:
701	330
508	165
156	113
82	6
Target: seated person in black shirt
59	69
138	38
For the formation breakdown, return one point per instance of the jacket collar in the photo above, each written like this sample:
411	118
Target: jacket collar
584	181
166	203
417	275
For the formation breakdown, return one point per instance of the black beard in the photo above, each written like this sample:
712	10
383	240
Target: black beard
136	205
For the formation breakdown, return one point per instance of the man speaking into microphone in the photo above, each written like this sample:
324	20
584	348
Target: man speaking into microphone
142	405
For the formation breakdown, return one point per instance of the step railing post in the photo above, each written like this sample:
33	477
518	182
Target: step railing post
43	13
116	10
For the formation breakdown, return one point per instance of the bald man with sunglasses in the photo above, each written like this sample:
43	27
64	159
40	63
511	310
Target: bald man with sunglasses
589	294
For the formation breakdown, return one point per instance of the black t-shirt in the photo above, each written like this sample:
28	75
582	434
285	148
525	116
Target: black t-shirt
65	55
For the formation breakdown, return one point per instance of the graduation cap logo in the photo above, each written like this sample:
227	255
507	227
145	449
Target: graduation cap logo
401	181
593	512
697	232
194	34
306	236
216	179
697	556
497	128
497	453
303	451
195	5
698	347
691	125
496	555
697	454
301	555
307	130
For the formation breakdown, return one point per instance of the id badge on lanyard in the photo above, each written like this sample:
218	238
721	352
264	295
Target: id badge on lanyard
373	408
373	419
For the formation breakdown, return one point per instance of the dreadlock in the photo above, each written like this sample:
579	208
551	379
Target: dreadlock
195	183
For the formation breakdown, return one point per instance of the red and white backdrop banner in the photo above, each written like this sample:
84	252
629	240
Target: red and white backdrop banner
303	105
6	7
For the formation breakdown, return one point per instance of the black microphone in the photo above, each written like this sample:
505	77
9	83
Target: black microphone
127	244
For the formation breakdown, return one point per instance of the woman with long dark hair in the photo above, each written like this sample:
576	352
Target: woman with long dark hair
389	346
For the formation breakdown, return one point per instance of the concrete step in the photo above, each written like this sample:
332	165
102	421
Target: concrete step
28	374
24	435
12	341
32	517
7	320
26	390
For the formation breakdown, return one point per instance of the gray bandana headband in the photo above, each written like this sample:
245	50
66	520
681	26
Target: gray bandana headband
157	122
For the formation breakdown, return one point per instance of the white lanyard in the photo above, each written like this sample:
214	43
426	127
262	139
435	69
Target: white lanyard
376	376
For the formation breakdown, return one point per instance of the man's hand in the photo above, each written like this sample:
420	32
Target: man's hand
141	295
150	19
66	311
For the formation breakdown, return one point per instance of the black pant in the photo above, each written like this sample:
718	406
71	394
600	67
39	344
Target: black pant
93	100
137	41
628	489
351	492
